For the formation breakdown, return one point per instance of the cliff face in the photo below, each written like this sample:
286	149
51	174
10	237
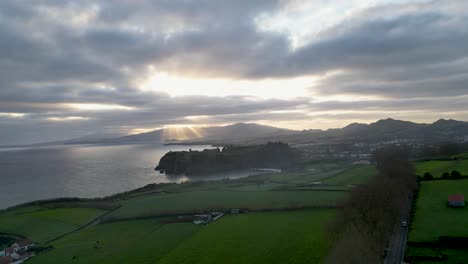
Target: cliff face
270	155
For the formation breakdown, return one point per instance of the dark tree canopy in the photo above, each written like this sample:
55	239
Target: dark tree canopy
428	176
455	174
366	219
271	155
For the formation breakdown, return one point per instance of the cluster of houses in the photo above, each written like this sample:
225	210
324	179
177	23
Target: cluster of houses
17	253
203	219
361	162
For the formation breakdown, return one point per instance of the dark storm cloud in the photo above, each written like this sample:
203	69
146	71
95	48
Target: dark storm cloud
53	53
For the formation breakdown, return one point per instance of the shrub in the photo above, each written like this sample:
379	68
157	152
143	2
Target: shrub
455	174
445	175
428	176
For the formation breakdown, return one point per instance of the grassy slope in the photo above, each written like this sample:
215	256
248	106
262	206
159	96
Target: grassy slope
44	224
217	199
146	241
433	217
437	167
287	237
354	175
138	241
253	192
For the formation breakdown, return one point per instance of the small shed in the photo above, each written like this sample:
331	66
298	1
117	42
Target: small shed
456	201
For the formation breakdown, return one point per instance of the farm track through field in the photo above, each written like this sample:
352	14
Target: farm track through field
91	223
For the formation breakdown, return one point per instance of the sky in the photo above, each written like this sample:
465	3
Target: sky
75	68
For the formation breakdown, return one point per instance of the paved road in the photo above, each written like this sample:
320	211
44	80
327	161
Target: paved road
397	245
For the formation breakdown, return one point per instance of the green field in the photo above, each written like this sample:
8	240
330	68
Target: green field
184	202
454	256
285	223
353	175
138	241
433	218
317	185
287	237
43	225
437	167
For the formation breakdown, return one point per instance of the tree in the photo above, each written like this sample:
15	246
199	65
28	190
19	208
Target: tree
455	174
365	220
445	175
428	176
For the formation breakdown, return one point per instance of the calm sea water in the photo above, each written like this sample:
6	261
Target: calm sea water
82	171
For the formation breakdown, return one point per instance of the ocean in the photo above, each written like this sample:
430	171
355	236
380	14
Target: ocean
28	174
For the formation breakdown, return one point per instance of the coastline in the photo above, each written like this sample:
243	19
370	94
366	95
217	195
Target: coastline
110	198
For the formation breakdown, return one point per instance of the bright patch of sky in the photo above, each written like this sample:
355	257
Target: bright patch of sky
12	115
65	118
264	89
301	21
98	107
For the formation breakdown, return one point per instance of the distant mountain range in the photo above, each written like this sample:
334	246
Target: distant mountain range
384	130
250	133
239	132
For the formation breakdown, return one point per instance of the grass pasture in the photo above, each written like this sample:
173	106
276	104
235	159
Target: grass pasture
42	225
279	237
437	167
352	176
433	218
454	256
461	156
272	232
274	237
260	192
138	241
183	202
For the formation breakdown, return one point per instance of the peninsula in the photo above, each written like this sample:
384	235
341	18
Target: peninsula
271	155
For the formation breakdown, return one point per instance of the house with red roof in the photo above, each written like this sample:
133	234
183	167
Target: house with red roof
456	201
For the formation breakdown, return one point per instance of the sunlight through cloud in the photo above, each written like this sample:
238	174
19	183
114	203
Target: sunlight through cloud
12	115
99	107
266	88
66	118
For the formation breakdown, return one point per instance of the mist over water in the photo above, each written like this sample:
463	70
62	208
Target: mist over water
82	171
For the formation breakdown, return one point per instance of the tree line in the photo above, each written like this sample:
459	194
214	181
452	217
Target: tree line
366	219
454	175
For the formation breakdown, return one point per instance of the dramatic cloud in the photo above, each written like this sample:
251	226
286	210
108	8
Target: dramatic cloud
70	68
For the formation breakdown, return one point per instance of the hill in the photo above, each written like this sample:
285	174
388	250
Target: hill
235	132
384	130
271	155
